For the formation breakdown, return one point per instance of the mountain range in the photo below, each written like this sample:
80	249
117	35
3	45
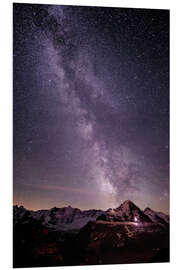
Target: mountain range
70	236
68	218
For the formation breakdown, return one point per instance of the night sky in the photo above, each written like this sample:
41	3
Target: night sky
91	106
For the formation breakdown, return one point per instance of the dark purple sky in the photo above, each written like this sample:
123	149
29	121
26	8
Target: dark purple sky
91	106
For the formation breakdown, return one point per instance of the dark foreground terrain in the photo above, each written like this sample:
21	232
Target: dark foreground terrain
107	239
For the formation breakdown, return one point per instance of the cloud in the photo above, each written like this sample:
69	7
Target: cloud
60	188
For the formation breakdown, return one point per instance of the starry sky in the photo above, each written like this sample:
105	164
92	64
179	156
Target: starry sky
90	106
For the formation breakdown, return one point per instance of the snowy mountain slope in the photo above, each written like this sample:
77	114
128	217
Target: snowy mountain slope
66	218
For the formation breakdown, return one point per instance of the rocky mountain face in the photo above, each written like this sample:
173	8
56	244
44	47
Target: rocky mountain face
127	211
69	236
104	242
156	217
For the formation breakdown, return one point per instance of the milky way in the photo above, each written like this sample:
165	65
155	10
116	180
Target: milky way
91	106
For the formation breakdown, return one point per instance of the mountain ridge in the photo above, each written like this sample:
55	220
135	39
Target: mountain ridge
69	218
